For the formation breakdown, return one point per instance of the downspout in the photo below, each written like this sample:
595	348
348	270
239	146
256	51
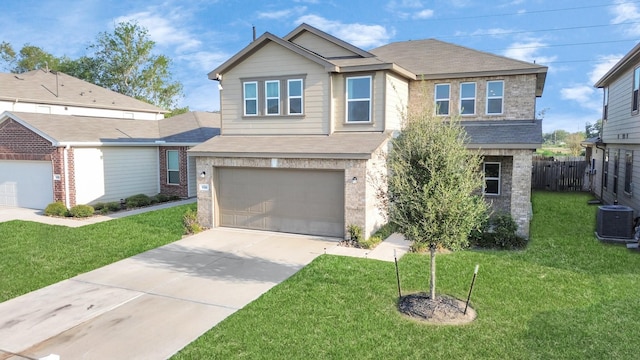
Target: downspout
67	201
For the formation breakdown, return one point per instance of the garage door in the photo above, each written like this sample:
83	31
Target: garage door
295	201
26	184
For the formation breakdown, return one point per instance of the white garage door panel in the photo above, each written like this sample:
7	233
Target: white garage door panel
295	201
26	184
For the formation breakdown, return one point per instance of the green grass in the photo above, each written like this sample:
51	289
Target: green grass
34	255
566	296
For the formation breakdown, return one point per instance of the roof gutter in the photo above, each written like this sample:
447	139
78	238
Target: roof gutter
121	143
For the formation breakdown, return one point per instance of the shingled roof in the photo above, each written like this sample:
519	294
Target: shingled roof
186	129
56	88
504	134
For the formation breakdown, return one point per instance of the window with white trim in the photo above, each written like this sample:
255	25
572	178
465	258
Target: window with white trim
495	97
250	93
272	97
359	91
173	167
605	170
605	104
294	96
468	98
628	172
442	93
616	169
636	86
491	178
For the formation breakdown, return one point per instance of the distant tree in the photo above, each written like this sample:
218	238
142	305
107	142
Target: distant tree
593	130
7	55
555	137
433	190
124	62
177	111
573	143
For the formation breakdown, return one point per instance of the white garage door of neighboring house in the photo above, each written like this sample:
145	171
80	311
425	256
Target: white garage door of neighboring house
27	184
284	200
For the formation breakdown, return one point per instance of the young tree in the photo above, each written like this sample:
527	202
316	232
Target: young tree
125	63
573	143
434	186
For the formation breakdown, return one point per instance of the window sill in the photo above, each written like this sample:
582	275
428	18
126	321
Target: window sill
485	194
349	123
172	184
263	117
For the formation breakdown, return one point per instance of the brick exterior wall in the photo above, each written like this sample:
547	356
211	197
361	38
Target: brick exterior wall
19	143
357	211
181	190
519	102
502	202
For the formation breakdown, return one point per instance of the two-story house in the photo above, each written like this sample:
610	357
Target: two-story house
306	120
64	139
613	158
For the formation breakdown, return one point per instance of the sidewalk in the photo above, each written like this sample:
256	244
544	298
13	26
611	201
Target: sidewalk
394	246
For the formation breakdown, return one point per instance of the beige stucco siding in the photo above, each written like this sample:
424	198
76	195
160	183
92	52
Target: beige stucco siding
321	46
518	101
275	62
377	106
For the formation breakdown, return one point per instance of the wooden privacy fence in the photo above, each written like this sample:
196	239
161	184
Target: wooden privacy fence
558	175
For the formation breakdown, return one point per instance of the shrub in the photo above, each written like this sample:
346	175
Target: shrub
371	242
174	197
498	232
385	231
162	198
190	222
138	200
81	211
56	209
113	206
99	206
355	233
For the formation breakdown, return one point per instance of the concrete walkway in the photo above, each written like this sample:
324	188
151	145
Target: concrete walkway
153	304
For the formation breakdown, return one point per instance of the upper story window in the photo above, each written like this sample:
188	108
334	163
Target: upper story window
468	98
272	91
294	96
636	86
359	99
442	92
495	97
173	167
250	98
605	104
492	178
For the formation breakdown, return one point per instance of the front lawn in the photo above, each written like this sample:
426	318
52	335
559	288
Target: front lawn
566	297
34	255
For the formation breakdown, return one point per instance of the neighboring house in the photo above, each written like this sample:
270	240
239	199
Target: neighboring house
88	146
615	156
306	120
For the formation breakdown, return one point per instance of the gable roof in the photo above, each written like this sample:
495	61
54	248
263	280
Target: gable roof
435	59
627	62
57	88
302	28
60	130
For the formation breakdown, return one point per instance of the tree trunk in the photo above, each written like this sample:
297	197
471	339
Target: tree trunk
432	285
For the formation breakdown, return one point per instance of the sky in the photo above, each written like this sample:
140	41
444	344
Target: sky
579	40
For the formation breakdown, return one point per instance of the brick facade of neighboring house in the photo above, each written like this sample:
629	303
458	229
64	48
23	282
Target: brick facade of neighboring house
182	189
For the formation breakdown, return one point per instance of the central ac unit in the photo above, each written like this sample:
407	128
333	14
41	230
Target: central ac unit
615	221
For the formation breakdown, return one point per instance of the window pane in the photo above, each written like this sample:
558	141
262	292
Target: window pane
273	106
359	88
295	106
295	88
442	107
442	91
251	107
172	160
468	90
250	90
491	187
273	89
174	177
492	170
494	106
358	111
468	107
494	89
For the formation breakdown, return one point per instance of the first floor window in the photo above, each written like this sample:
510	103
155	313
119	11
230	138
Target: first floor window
495	97
442	99
605	170
468	98
250	98
272	91
294	88
492	178
616	169
173	167
359	99
628	172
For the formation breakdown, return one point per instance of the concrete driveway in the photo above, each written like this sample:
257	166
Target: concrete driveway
151	305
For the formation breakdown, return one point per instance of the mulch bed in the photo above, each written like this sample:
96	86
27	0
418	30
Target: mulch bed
443	309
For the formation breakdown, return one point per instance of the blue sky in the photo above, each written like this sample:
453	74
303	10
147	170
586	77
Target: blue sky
578	39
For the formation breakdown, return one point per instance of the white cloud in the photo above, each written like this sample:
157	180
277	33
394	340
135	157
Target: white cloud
604	64
495	32
163	30
204	60
281	14
409	9
529	51
579	93
361	35
627	12
423	14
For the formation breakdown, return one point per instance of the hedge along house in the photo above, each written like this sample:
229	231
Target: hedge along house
305	118
63	139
